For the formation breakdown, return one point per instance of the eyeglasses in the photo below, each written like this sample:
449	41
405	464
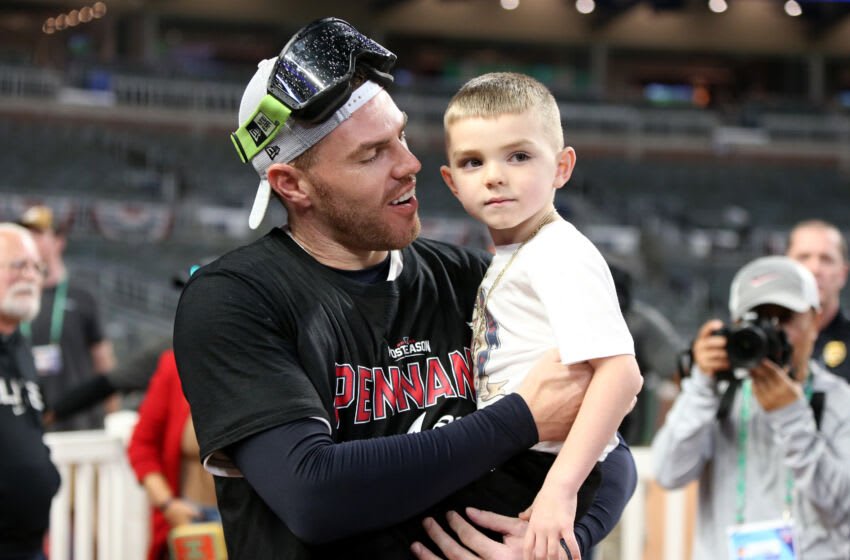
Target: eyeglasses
20	266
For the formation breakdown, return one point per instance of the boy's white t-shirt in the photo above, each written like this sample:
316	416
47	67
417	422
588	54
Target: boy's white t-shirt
558	292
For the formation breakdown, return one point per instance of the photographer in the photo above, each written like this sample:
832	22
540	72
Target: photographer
764	428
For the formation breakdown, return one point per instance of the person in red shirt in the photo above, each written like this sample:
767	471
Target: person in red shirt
164	454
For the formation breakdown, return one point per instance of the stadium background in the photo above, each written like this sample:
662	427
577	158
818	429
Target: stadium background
701	136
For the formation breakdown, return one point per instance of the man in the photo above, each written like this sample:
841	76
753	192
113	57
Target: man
67	336
776	454
28	479
820	247
317	359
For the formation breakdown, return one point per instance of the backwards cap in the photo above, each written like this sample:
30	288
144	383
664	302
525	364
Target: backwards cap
777	280
294	137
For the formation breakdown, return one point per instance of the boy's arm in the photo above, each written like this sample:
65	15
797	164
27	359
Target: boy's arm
616	380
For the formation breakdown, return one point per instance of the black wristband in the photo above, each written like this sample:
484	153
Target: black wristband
82	396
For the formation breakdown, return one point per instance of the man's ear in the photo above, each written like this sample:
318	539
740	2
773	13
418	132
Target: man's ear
566	164
446	173
286	182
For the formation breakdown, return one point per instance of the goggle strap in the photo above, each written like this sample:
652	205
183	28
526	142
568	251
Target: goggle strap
264	124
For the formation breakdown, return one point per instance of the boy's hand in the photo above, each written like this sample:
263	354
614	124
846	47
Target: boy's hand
551	520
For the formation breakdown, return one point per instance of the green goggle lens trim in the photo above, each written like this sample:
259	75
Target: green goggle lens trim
256	133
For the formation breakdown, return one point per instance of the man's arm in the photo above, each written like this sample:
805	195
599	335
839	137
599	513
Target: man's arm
299	470
817	457
818	460
363	477
103	362
686	441
102	357
134	375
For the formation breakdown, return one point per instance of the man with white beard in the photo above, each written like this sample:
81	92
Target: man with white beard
28	478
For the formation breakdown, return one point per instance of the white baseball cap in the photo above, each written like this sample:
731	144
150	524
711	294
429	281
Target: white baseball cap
294	137
778	280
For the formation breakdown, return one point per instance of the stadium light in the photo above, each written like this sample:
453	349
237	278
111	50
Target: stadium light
717	6
585	6
87	14
510	4
792	8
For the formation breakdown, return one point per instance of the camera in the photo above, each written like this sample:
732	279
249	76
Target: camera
749	342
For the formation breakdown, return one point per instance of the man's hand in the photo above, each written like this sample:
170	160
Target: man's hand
773	387
479	546
710	349
553	393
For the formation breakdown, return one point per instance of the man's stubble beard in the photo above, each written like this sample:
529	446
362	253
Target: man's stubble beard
357	230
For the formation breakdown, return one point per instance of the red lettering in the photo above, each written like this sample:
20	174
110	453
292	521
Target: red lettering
463	374
409	389
384	392
364	395
438	382
344	389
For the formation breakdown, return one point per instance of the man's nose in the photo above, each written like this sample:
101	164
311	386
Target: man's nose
408	163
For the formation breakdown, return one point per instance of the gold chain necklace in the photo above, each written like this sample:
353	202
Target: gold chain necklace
479	319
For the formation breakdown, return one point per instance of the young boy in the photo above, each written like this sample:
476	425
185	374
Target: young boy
547	286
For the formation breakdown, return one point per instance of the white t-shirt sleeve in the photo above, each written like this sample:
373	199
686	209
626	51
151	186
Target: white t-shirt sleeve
574	283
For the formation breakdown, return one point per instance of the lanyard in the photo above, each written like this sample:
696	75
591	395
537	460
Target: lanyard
57	317
743	434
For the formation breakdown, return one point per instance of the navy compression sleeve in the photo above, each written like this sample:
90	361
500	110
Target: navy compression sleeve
619	480
324	491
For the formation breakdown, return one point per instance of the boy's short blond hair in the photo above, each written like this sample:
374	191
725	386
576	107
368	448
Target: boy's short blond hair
500	93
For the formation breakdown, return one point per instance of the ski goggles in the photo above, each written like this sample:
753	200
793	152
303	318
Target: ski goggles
312	78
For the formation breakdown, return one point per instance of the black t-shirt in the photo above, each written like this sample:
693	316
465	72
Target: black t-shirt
28	479
267	335
81	329
831	346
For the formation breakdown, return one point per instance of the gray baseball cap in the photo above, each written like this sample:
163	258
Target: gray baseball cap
777	280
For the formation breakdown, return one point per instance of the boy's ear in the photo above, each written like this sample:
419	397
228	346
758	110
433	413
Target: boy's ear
566	164
288	183
446	172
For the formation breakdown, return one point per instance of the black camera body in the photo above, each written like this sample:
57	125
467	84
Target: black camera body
749	342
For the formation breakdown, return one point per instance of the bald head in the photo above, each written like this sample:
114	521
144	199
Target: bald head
21	277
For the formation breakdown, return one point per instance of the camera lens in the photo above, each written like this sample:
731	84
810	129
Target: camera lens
746	347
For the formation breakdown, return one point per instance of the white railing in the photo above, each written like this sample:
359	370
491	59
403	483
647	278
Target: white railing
101	512
637	521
